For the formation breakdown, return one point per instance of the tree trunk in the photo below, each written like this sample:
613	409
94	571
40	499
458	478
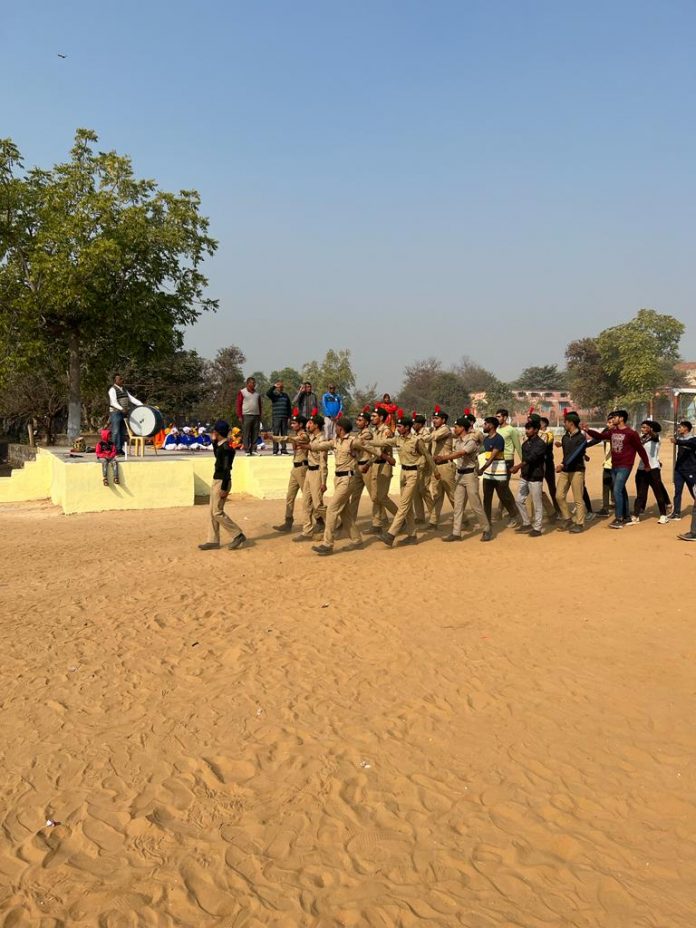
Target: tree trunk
74	402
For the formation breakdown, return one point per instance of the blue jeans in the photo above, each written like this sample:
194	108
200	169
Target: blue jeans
619	476
680	481
118	429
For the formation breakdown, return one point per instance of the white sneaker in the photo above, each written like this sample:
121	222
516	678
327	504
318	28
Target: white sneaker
635	520
663	520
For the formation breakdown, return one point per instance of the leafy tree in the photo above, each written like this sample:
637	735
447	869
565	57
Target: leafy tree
419	389
36	395
544	377
426	384
590	383
363	396
641	354
95	263
177	384
334	369
224	378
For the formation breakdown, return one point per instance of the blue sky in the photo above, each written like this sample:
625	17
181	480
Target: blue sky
403	179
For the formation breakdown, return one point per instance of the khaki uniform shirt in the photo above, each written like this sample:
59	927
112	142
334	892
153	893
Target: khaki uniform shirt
344	455
412	450
471	447
441	441
363	438
298	454
380	437
316	456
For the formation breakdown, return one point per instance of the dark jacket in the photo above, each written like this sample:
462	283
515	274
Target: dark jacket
686	456
533	459
280	403
224	456
573	452
306	403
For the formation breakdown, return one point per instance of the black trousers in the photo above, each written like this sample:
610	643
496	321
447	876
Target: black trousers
550	478
644	480
250	432
280	427
502	488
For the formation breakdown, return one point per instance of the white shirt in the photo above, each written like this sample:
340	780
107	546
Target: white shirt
113	400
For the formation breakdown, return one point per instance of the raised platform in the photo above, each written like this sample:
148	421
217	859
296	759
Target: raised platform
151	482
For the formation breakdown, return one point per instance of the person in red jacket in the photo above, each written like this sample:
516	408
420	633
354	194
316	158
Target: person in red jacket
106	452
625	445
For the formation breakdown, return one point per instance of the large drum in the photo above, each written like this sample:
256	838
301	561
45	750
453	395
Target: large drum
145	421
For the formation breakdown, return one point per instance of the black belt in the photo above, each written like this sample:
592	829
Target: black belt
465	470
312	467
299	464
343	473
409	467
363	463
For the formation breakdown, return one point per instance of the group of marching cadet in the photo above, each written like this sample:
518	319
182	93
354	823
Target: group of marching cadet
468	466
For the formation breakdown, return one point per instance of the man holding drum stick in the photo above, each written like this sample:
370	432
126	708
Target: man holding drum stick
120	400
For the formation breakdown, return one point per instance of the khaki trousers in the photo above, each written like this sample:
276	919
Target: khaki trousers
295	484
381	503
466	489
340	505
404	511
440	488
359	483
313	500
218	516
422	499
564	482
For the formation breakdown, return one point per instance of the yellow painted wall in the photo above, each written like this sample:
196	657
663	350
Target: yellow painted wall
151	484
31	482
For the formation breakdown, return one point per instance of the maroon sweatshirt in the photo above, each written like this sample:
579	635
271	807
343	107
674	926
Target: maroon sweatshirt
625	444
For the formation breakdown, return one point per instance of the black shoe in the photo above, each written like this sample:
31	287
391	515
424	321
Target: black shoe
523	529
318	528
209	546
452	538
674	517
487	536
409	540
564	526
535	533
431	527
322	549
575	529
602	513
617	523
420	521
285	452
237	541
373	530
303	538
285	527
687	536
387	538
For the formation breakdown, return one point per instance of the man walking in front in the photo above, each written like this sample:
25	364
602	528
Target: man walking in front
440	439
571	475
280	415
120	401
495	471
533	466
466	489
346	448
299	440
381	471
249	410
219	491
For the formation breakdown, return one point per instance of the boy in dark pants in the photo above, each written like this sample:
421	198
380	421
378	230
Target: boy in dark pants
685	466
219	491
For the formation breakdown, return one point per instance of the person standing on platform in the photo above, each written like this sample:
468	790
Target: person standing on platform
220	489
685	465
280	415
441	447
120	401
306	400
298	472
249	411
315	481
332	407
465	451
411	450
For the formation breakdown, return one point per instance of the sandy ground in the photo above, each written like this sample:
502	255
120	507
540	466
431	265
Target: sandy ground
467	735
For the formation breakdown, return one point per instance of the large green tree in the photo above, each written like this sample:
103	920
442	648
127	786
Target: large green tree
95	263
641	354
334	369
542	377
590	383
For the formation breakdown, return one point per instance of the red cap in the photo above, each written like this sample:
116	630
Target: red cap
437	408
467	411
315	411
295	410
340	414
399	413
531	410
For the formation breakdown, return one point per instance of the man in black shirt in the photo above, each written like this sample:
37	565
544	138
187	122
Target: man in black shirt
571	474
533	467
219	491
685	466
280	414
